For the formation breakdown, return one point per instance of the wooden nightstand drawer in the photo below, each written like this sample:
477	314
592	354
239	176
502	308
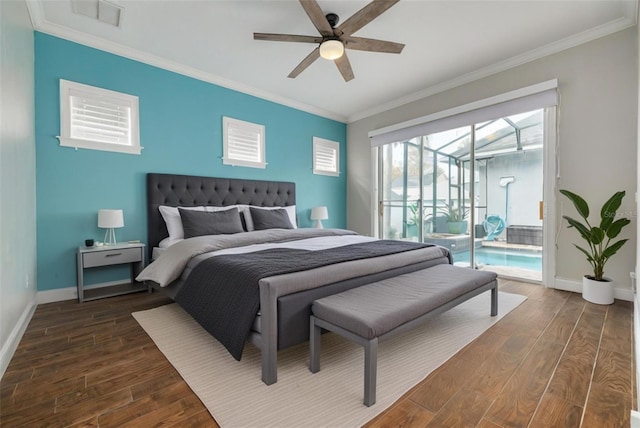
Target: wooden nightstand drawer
112	257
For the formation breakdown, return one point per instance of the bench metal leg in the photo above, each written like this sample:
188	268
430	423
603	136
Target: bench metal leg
269	346
314	343
494	301
370	371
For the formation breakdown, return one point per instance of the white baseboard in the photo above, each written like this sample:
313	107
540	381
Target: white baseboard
623	294
70	293
635	419
576	287
57	295
10	346
568	285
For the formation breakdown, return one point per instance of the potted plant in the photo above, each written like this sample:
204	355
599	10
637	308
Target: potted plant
413	220
597	288
455	216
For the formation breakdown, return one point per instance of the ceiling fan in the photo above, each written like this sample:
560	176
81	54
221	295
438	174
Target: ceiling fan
334	40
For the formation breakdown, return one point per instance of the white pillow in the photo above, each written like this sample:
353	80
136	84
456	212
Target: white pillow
290	209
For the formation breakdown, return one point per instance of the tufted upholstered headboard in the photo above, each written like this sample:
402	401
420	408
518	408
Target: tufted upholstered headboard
188	191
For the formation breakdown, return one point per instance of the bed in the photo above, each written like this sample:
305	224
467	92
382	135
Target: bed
283	299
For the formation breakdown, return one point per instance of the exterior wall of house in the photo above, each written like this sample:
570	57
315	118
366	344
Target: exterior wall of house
597	135
17	177
524	193
181	132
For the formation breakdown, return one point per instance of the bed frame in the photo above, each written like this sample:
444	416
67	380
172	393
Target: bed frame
284	319
191	191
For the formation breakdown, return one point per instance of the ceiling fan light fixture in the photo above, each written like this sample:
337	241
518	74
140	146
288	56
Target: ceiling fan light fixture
331	49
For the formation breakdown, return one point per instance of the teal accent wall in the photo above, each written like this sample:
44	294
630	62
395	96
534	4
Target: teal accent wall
181	132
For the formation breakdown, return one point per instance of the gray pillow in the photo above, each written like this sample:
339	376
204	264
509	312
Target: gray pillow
199	223
270	219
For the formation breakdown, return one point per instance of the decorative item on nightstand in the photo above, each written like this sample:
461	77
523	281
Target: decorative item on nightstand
318	214
110	219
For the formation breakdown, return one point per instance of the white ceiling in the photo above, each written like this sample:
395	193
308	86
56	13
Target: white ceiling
448	43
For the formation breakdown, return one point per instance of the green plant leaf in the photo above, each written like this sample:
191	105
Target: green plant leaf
586	253
605	223
616	227
597	235
613	248
581	205
581	228
611	206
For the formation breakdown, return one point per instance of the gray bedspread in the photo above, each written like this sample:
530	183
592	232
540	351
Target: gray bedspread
174	259
222	293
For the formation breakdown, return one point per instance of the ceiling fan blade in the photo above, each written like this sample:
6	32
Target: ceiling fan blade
345	67
372	45
317	16
286	38
363	17
314	55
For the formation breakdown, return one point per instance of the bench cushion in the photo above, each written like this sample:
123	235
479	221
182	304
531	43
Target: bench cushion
377	308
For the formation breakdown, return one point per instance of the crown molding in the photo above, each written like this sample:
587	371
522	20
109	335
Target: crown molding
552	48
42	25
36	13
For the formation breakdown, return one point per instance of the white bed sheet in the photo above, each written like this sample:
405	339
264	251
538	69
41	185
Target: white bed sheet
311	244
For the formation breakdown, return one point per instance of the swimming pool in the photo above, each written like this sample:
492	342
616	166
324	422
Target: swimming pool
498	257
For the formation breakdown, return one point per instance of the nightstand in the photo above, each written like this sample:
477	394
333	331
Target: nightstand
121	253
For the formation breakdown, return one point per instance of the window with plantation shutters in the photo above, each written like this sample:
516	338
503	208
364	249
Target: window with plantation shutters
98	119
243	143
326	157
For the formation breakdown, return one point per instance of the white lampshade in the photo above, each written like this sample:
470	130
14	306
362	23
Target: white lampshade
110	219
331	49
318	214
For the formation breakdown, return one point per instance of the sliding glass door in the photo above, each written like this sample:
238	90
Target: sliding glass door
475	189
510	164
400	201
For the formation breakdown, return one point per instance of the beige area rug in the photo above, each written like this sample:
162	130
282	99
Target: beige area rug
236	397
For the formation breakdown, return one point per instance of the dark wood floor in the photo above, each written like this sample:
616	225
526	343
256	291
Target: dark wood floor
554	361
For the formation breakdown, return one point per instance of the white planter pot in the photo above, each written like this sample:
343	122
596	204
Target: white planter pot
599	292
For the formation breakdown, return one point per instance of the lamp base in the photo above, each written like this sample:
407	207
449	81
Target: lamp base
318	224
110	236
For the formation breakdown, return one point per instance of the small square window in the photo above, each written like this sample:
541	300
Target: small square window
243	143
98	119
326	157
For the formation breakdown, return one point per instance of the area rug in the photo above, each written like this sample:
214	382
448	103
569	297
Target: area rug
236	397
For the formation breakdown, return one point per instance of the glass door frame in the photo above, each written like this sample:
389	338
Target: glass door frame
550	180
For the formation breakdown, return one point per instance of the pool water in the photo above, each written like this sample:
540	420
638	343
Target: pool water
498	257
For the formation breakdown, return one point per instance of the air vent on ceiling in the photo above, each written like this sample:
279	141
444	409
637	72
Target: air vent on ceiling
101	10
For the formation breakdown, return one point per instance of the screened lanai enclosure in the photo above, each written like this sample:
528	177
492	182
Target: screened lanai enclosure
475	187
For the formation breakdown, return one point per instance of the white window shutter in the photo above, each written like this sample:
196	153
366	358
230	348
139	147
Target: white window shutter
99	119
326	157
243	143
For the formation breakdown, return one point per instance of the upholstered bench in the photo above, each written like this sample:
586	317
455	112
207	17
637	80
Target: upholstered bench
379	310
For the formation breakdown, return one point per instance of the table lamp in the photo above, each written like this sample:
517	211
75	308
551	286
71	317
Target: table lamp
318	214
110	219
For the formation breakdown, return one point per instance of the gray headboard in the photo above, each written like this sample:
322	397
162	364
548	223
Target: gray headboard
188	191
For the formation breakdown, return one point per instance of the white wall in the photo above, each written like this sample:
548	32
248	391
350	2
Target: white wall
597	137
17	176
